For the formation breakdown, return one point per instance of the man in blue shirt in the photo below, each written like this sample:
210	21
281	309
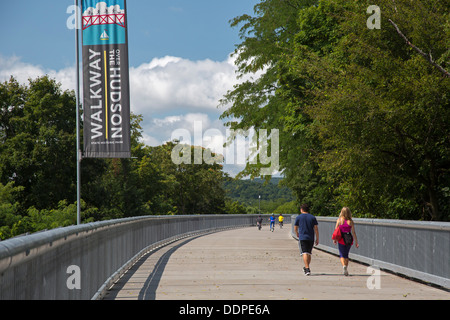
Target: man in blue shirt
306	226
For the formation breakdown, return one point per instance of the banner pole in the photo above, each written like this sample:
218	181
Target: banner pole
77	94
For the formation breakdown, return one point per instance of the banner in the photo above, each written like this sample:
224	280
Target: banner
106	90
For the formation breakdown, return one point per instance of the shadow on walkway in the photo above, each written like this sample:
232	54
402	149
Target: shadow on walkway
148	291
339	275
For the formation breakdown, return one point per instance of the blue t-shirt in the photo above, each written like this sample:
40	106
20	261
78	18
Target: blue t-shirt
306	223
272	219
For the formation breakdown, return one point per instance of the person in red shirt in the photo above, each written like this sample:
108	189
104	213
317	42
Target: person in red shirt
347	227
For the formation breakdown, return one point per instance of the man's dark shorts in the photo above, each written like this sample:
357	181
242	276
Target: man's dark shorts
306	246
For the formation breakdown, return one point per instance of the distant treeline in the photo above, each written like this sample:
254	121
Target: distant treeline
274	196
38	171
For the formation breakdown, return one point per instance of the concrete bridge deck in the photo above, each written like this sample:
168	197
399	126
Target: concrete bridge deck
247	264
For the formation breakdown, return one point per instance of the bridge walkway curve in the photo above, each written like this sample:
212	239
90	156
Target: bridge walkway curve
248	264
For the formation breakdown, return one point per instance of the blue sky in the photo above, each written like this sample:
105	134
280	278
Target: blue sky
179	51
36	31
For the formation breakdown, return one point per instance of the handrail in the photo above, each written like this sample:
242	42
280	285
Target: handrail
417	249
38	266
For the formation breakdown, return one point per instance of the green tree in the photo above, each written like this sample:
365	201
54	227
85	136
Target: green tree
113	185
38	176
381	109
10	218
37	133
234	207
184	188
158	181
288	208
364	113
198	188
277	98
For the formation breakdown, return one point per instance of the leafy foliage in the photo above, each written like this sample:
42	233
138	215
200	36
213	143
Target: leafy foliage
38	174
247	193
363	116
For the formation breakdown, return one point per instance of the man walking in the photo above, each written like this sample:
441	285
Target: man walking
272	222
306	226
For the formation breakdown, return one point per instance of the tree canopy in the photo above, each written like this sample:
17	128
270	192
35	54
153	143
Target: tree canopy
363	113
363	116
38	173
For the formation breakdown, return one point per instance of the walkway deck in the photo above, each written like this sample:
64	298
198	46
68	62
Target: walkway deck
247	264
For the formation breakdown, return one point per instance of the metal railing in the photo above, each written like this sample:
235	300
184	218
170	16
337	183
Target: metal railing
82	262
416	249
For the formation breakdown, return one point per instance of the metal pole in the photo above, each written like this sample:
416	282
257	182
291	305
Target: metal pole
259	205
77	93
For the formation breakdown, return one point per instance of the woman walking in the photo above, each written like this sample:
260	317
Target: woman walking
348	235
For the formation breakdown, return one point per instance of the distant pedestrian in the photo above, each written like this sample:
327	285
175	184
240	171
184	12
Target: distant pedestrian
348	235
272	222
306	227
280	220
259	221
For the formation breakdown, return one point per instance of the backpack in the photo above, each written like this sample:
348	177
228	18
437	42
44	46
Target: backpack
347	237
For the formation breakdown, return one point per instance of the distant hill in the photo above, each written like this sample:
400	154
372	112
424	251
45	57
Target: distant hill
247	192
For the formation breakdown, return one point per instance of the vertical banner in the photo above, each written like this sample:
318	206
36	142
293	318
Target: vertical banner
106	94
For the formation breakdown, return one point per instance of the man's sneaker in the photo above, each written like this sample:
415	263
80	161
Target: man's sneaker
307	271
345	271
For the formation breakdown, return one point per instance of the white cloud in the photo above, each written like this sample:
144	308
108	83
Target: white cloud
164	91
170	93
171	83
162	86
165	129
102	8
198	129
22	71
